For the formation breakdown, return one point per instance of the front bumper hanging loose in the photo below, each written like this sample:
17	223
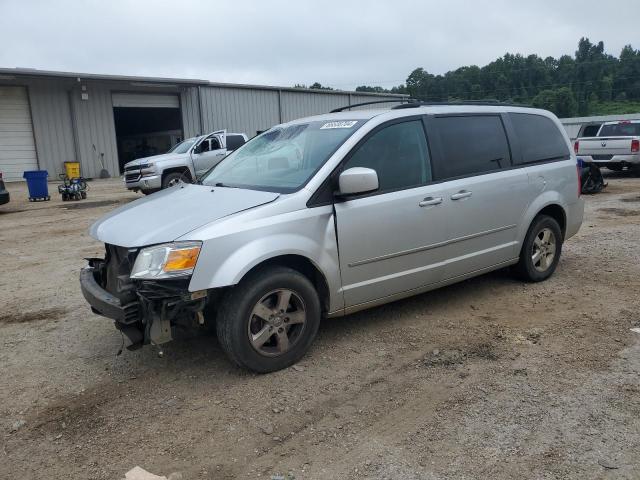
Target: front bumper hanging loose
150	308
102	302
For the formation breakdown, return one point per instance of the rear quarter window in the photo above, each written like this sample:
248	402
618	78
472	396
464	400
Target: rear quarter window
539	137
234	141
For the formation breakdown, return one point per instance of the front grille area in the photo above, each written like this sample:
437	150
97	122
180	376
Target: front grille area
118	265
132	177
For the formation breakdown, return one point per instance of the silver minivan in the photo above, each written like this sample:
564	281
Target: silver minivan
328	215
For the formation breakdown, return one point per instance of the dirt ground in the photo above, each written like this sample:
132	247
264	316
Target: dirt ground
490	378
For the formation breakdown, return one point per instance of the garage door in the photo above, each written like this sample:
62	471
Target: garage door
17	150
145	100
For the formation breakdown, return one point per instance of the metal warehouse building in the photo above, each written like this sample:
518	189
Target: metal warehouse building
48	118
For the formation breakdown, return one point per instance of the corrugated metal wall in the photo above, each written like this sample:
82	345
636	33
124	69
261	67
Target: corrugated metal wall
243	110
302	104
248	110
51	116
95	127
190	112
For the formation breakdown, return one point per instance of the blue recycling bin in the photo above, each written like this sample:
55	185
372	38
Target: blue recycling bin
37	183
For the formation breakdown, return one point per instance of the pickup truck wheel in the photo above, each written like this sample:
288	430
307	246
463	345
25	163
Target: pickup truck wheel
541	250
174	178
269	320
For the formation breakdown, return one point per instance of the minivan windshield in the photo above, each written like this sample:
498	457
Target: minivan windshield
184	146
284	158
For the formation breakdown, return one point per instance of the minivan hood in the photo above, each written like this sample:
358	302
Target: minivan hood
156	158
172	213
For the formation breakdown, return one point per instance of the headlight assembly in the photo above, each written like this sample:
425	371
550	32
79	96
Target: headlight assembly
147	168
169	260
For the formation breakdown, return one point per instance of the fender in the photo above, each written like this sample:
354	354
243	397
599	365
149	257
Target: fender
543	200
223	262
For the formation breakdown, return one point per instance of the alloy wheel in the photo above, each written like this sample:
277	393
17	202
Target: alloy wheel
544	250
276	322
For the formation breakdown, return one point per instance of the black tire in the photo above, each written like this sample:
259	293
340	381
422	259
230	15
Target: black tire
170	178
526	268
235	319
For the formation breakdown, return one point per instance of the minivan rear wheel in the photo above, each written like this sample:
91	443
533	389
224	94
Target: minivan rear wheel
541	250
269	320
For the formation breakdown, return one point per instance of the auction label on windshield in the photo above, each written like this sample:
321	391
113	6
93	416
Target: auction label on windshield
347	124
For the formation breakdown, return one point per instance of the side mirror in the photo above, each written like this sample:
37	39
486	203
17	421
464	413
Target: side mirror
357	180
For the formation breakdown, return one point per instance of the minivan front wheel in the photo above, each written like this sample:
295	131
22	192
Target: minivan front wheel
269	320
541	250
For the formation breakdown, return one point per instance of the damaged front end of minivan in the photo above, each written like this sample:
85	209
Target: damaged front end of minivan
145	291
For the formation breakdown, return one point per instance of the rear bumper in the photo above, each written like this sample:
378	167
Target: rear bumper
614	159
575	216
4	197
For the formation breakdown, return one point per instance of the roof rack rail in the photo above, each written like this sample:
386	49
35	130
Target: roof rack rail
347	107
484	103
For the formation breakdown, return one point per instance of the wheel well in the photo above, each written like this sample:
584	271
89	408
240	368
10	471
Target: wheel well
182	170
306	268
558	214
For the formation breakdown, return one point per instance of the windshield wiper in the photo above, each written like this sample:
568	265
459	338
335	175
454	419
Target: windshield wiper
223	185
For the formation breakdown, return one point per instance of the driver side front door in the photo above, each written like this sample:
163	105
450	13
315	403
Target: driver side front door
391	241
209	152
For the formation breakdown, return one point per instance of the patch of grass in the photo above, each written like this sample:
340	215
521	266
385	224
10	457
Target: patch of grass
614	108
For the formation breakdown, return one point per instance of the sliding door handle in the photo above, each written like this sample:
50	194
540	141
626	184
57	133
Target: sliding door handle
430	201
460	195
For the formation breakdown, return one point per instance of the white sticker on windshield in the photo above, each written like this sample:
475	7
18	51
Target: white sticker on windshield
347	124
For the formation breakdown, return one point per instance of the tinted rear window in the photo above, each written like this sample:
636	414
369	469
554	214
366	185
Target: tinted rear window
620	130
234	141
471	145
539	137
590	130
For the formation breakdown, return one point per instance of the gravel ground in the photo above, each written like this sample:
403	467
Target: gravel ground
490	378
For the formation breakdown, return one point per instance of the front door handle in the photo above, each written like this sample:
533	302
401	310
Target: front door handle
460	195
430	201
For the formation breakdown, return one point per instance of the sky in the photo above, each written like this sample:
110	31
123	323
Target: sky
341	44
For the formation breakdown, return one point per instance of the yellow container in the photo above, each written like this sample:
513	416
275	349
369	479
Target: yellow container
72	169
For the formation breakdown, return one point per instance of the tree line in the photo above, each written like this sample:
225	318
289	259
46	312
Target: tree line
589	82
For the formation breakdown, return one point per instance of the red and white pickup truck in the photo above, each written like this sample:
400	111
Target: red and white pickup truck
616	146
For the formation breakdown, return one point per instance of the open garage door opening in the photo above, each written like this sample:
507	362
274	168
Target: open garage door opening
146	125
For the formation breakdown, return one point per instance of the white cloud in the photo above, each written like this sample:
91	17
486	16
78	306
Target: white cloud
339	43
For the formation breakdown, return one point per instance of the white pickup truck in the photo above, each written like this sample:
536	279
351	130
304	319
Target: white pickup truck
615	146
184	162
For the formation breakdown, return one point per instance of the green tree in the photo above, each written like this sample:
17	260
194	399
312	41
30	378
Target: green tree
565	103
